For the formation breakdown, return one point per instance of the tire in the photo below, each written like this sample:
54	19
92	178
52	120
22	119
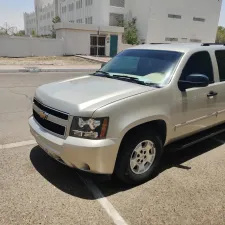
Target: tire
128	152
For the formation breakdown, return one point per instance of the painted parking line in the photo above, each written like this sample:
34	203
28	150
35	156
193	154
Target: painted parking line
103	201
18	144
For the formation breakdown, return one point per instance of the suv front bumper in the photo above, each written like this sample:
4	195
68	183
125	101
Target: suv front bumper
95	156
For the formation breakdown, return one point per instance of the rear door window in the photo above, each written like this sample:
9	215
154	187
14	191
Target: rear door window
220	57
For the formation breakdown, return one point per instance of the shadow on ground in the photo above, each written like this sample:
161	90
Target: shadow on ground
68	180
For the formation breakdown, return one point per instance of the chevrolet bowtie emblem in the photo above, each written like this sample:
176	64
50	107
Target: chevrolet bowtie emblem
43	115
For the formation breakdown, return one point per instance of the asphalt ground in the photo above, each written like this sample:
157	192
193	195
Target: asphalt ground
189	187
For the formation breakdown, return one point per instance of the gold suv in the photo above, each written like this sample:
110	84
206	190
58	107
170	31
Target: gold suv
119	119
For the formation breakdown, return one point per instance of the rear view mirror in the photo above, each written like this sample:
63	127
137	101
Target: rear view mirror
192	81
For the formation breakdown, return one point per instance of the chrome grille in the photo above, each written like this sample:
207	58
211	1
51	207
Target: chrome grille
53	120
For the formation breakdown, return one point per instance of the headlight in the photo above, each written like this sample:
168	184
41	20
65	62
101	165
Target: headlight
89	128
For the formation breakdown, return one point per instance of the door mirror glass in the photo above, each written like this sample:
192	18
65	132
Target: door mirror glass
193	81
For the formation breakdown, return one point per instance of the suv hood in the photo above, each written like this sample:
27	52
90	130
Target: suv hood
86	93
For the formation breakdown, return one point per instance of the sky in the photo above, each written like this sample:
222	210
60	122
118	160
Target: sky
11	11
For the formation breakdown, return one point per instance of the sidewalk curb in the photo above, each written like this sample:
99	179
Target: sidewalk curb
93	60
46	70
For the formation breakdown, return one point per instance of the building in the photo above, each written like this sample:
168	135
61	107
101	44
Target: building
157	20
175	20
96	12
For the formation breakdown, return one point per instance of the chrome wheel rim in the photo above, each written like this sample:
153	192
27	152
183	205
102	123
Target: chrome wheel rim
142	157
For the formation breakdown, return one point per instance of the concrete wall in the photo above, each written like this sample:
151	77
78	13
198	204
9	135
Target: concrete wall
75	42
23	46
124	46
77	37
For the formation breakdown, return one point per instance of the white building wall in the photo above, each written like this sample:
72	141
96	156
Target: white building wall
152	17
185	27
45	16
29	23
25	46
154	25
133	9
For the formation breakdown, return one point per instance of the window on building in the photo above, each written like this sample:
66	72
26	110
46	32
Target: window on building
88	2
174	16
114	19
97	45
49	27
198	19
48	15
88	20
79	4
199	63
220	57
196	40
40	17
79	21
52	14
171	39
64	9
117	3
71	7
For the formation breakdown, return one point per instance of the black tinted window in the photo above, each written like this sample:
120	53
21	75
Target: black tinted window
199	63
220	56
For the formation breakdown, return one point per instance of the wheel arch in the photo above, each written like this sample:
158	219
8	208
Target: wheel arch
158	125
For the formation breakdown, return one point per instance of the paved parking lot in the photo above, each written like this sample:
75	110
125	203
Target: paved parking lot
34	189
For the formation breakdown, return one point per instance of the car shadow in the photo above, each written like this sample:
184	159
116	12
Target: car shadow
68	180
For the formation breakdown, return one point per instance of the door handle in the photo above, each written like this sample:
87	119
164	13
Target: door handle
212	94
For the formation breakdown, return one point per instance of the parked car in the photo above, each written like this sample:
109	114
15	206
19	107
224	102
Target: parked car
120	119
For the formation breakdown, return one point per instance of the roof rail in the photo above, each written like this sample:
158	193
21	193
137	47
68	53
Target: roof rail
208	44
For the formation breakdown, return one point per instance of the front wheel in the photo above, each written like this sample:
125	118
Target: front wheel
138	158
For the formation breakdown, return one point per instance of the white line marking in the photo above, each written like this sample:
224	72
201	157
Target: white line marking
103	201
218	140
18	144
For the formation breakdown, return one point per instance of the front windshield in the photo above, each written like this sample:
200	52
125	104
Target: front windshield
155	66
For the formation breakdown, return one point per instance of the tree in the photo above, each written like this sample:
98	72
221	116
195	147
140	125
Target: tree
55	20
33	33
20	33
7	29
220	37
130	35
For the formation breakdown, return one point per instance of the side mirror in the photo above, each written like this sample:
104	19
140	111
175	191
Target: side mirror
103	64
193	81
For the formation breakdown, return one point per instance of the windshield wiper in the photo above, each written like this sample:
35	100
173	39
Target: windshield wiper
101	73
124	78
135	80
